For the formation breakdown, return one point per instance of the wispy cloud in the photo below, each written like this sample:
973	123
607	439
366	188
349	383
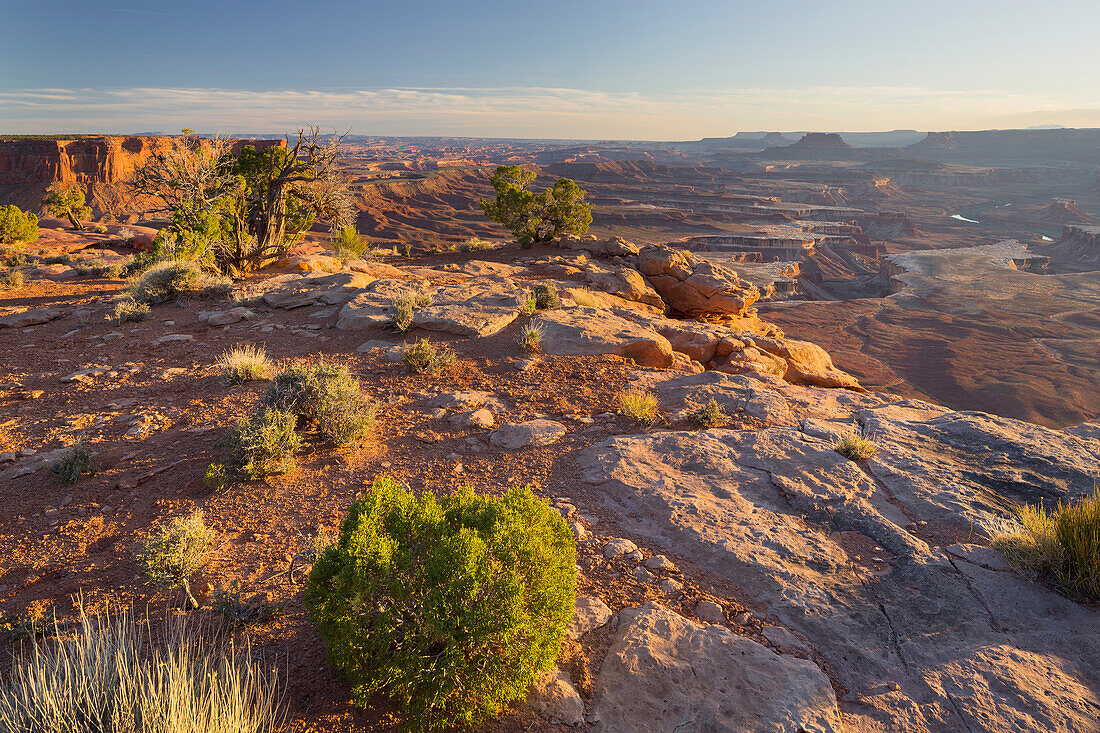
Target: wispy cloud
532	111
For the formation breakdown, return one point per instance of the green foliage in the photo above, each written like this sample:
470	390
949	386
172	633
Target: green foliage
351	245
76	462
475	244
235	610
710	415
100	228
546	297
1062	545
424	356
325	395
165	280
451	606
265	444
173	551
527	302
110	674
66	201
217	477
98	268
403	311
536	217
15	226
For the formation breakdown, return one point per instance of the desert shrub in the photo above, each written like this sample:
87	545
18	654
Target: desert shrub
527	303
351	245
173	551
639	405
451	606
213	286
546	296
1062	546
530	339
407	250
217	478
424	356
165	280
243	363
710	414
235	609
110	674
56	260
99	229
475	244
76	462
13	279
127	310
98	268
265	444
16	226
126	236
325	395
856	445
402	316
17	259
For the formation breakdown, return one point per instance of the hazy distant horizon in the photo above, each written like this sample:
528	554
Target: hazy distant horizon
639	70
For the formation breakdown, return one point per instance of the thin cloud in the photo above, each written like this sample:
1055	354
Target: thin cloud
531	111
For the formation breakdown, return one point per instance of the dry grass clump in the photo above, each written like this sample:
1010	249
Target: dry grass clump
76	462
1062	546
475	244
265	444
424	356
172	553
128	310
639	405
856	446
530	339
112	676
710	415
243	363
405	306
584	297
165	280
327	396
12	280
99	268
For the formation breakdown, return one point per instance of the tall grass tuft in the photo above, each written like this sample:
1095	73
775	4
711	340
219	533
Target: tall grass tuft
1062	545
243	363
112	676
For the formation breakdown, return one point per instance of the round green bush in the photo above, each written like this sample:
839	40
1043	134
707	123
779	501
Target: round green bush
15	226
451	606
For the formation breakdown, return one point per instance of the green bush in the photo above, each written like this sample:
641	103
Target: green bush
710	415
451	606
546	296
128	310
856	445
165	280
325	395
265	444
15	226
13	279
351	245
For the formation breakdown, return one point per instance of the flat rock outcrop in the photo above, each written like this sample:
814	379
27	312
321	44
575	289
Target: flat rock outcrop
665	673
583	331
918	638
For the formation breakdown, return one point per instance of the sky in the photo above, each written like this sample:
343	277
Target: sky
597	69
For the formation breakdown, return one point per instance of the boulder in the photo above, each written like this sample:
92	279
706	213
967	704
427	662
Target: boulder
807	363
736	395
583	331
665	673
623	282
611	247
225	318
372	307
474	309
693	287
533	433
295	291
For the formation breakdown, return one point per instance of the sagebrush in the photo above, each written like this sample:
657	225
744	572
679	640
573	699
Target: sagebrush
424	356
265	444
324	395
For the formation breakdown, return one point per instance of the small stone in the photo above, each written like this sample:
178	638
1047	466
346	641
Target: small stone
743	618
32	394
618	548
635	556
670	586
579	531
589	613
710	612
643	575
660	562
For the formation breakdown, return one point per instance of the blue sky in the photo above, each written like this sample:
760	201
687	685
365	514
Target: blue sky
595	69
